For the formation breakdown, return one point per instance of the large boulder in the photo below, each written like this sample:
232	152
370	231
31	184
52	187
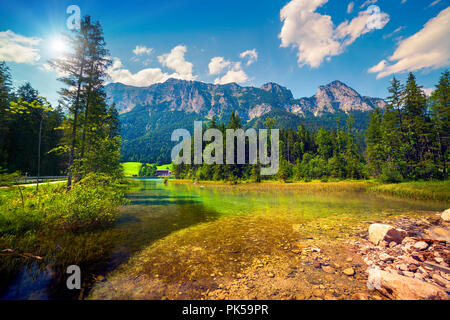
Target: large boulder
438	233
383	232
446	215
397	287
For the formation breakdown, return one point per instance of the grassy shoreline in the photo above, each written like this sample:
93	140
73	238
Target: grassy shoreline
418	190
421	190
92	201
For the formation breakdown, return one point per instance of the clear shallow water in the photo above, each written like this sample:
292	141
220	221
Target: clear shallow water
156	211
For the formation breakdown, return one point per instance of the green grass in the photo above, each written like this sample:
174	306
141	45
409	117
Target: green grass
132	168
92	201
419	190
424	190
166	167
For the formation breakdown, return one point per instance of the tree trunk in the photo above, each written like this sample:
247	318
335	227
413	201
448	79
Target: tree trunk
39	153
74	128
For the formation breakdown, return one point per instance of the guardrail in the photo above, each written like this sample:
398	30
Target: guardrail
45	178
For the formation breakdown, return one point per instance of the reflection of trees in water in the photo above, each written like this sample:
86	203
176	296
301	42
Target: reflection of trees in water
100	251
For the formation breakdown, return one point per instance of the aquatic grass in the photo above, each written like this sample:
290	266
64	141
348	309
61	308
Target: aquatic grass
276	186
424	190
419	190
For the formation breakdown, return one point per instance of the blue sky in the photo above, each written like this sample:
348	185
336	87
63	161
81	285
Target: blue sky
300	44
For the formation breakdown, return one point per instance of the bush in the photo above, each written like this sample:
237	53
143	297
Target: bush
92	201
390	174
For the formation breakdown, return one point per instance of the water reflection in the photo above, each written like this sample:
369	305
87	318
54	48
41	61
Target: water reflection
154	212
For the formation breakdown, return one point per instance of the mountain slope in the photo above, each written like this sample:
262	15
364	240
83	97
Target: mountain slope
218	100
150	114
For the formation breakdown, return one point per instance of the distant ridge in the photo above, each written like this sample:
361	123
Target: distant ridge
149	115
220	100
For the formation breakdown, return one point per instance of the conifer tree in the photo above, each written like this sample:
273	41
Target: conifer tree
440	113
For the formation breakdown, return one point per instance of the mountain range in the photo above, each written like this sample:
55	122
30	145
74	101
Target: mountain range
150	114
217	100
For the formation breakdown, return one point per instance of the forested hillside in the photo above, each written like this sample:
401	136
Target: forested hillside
150	114
407	141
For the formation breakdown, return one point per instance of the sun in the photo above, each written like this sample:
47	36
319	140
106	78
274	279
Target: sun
58	45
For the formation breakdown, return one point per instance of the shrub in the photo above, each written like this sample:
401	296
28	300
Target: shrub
91	201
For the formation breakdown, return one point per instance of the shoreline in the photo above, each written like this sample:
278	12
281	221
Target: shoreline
416	190
255	257
301	268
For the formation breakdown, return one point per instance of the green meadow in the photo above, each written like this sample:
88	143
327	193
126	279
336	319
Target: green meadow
131	169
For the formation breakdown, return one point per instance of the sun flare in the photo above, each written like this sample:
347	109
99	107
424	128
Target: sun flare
58	45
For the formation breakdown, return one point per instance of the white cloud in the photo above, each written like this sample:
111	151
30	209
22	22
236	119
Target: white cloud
251	55
233	75
17	48
175	60
218	64
46	68
146	77
428	91
143	78
367	3
434	3
233	71
141	50
348	32
393	32
350	7
428	48
314	34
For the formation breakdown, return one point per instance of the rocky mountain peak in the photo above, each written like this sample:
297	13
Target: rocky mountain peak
276	89
220	100
337	97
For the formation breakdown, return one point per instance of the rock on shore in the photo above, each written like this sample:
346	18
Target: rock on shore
399	287
446	215
408	260
383	232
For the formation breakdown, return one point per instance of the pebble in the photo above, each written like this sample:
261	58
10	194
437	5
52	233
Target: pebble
329	278
317	292
385	257
328	269
412	267
392	244
421	245
349	271
330	297
360	296
408	273
100	278
439	280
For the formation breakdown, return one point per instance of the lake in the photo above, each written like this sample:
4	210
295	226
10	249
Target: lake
181	240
